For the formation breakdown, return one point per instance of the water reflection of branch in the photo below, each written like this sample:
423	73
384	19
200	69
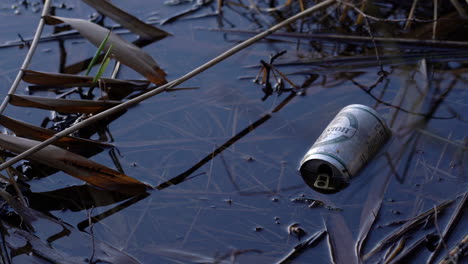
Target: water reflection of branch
94	219
365	15
74	198
195	7
183	176
368	90
228	172
385	42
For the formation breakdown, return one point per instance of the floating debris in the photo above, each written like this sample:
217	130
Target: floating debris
249	158
351	139
313	203
277	220
229	201
296	230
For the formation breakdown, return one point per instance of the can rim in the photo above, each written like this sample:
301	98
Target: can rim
335	161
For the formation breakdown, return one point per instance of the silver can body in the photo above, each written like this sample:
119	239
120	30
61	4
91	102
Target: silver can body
351	139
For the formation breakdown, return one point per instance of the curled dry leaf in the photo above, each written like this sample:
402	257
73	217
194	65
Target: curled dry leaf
75	165
84	147
145	31
62	105
69	80
123	51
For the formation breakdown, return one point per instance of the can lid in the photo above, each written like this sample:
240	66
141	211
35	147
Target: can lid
372	112
324	174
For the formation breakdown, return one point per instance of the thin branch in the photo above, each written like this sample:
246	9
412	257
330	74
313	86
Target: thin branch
411	15
27	60
377	55
368	90
169	85
409	19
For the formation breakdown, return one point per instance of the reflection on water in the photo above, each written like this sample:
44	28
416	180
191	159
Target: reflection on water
225	162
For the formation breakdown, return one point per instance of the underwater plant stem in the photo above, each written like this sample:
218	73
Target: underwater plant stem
27	60
169	85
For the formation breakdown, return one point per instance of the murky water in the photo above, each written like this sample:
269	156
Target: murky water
240	202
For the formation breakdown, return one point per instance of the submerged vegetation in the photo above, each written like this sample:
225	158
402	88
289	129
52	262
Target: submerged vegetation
406	59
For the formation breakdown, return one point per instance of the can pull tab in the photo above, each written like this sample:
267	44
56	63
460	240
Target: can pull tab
323	180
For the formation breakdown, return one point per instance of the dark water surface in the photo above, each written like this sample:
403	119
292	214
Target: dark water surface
242	201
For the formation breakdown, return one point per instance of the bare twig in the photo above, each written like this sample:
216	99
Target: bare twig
401	258
169	85
376	49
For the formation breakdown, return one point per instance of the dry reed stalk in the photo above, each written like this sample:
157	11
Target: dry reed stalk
169	85
27	60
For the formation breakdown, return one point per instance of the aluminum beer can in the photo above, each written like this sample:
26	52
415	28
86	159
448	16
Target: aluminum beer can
351	139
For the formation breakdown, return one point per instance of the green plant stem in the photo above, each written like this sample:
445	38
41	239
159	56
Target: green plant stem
104	63
167	86
98	52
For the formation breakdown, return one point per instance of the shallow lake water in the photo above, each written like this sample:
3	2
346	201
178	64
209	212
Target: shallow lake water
240	202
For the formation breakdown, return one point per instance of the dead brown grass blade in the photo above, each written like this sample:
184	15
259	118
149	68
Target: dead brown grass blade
411	249
76	166
62	105
69	80
123	51
145	31
125	105
76	145
299	248
371	210
448	229
457	252
409	226
76	243
340	240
